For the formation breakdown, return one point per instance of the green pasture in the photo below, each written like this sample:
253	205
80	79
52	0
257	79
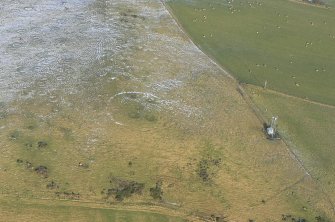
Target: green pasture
288	45
330	3
21	211
309	125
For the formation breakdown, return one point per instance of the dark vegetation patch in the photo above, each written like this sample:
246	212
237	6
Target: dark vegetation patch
321	219
31	127
157	192
42	171
27	142
212	217
122	189
315	2
42	144
68	195
25	163
129	14
289	217
219	218
205	168
52	185
210	162
28	145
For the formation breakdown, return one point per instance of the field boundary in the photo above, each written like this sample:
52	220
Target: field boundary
293	97
310	4
212	59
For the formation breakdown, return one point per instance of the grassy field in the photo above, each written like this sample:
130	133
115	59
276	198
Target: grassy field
330	3
163	127
218	171
288	45
309	125
53	211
